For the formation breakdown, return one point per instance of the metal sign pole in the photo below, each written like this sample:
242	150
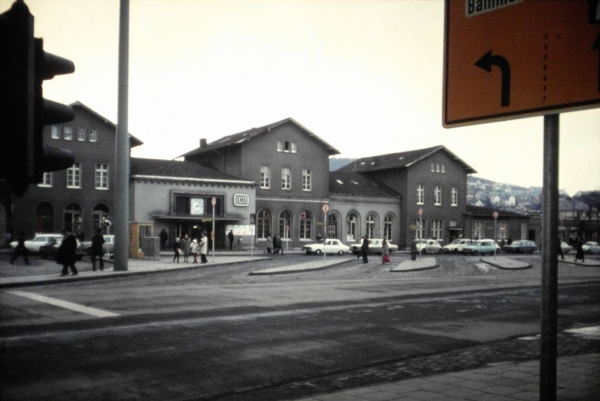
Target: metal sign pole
213	201
325	241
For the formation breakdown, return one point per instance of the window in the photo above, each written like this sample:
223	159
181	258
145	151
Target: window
420	195
306	180
437	167
478	231
370	226
285	222
437	229
74	176
287	146
93	135
54	132
420	231
387	227
438	195
68	133
443	168
294	147
305	225
263	224
502	231
280	146
331	226
101	176
433	167
351	227
265	177
81	134
46	181
286	178
454	196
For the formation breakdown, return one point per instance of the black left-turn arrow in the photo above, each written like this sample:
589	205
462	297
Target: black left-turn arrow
486	62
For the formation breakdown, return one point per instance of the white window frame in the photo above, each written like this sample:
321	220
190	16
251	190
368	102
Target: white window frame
437	229
420	231
93	135
502	231
47	180
55	132
265	177
280	146
478	230
286	178
388	224
306	225
454	201
420	195
294	147
101	176
370	225
351	223
438	195
74	176
68	133
81	134
306	180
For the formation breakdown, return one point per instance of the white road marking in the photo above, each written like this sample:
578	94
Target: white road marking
64	304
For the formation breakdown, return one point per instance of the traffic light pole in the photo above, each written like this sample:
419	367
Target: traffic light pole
122	238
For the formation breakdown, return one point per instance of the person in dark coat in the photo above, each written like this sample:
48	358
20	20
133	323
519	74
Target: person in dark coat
230	237
176	249
164	237
579	254
66	254
560	251
97	251
365	249
20	250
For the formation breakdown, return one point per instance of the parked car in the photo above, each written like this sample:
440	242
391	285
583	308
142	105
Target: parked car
33	245
498	248
375	246
428	246
329	245
588	245
480	247
457	245
521	246
566	248
49	250
593	249
108	247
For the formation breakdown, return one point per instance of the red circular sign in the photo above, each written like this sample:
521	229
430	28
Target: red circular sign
325	208
213	201
495	215
420	212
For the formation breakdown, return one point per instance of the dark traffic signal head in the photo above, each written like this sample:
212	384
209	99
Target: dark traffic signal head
23	111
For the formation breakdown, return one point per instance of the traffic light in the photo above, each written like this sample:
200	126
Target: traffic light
23	110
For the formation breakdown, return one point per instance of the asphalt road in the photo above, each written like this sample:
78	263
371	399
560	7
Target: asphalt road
219	333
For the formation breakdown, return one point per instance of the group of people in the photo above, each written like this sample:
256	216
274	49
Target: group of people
191	247
364	251
274	244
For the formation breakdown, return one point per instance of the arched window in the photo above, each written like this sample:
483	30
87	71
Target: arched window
100	212
387	227
305	225
351	222
285	221
44	218
331	226
370	226
263	224
72	217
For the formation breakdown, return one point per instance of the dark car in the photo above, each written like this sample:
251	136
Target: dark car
521	246
49	250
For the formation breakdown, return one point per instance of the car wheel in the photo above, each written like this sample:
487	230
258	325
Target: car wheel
340	253
307	252
318	252
456	250
475	253
440	251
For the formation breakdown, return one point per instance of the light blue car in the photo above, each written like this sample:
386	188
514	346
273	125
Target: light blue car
480	247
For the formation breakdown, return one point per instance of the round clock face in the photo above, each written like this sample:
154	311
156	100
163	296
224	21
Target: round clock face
196	206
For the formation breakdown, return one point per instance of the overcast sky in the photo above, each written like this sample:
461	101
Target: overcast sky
365	76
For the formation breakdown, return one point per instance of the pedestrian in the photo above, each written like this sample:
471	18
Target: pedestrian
319	237
185	246
365	249
230	236
385	252
203	248
579	254
279	245
269	244
176	249
20	250
560	251
66	253
164	237
194	248
413	251
97	251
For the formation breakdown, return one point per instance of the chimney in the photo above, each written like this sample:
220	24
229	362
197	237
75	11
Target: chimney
202	142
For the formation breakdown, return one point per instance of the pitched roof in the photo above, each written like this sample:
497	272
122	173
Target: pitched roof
173	169
399	160
132	139
244	136
358	184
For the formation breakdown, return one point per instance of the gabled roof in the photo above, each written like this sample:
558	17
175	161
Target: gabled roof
358	184
399	160
132	139
181	170
248	135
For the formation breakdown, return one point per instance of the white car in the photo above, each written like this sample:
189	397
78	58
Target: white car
498	249
566	248
107	247
328	245
375	246
457	245
33	245
588	246
428	246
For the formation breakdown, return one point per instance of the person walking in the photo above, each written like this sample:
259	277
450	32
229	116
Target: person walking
66	254
203	248
194	248
385	252
560	251
176	249
413	251
365	249
185	246
579	254
269	244
164	237
20	250
230	236
97	251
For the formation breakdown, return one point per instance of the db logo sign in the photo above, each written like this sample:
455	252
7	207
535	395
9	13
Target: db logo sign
241	200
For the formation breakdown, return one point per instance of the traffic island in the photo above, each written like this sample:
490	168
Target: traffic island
415	265
506	263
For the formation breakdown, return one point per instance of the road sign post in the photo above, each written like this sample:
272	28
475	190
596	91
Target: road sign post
495	231
213	202
325	210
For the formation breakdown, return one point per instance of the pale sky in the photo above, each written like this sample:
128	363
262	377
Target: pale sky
365	76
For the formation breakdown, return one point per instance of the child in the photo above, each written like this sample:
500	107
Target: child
194	248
